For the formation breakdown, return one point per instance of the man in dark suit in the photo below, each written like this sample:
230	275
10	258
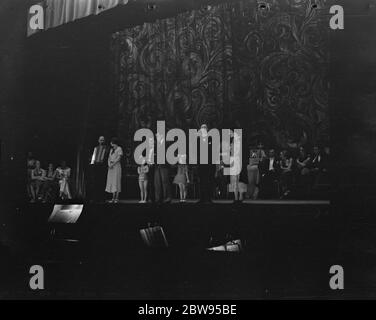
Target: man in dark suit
98	171
206	172
270	171
162	186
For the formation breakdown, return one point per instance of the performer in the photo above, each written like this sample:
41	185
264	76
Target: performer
235	184
63	174
161	178
114	171
143	171
98	170
286	173
270	170
182	178
253	175
205	171
50	186
37	178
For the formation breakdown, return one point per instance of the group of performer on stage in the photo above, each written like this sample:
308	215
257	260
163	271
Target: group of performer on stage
265	175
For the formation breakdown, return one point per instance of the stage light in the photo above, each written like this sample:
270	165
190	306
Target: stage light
230	246
66	213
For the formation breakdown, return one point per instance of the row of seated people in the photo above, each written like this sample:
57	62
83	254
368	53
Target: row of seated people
271	175
46	185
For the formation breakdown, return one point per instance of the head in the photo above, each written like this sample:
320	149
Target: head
50	166
204	130
30	155
114	142
316	150
182	158
159	137
63	163
271	153
260	145
142	160
101	140
302	151
37	164
284	154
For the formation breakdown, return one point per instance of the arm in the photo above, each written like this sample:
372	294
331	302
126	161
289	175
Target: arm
138	170
118	156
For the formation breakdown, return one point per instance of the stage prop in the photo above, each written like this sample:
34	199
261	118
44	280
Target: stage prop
68	213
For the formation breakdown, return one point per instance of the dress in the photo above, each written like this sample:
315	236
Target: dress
63	177
253	177
143	173
114	172
181	175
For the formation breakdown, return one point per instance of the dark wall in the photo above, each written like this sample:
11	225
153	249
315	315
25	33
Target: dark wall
353	94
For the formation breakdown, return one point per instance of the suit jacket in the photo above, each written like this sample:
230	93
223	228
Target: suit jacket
105	157
264	166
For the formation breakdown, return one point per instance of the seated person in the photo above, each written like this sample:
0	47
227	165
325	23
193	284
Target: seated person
286	162
37	178
30	162
253	175
303	163
50	185
317	167
63	173
270	170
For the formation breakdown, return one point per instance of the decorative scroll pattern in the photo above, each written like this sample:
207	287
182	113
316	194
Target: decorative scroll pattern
231	66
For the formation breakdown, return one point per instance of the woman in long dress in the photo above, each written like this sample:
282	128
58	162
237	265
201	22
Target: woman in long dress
253	175
63	175
182	178
114	170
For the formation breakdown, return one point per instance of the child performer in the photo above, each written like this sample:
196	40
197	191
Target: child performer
182	178
143	170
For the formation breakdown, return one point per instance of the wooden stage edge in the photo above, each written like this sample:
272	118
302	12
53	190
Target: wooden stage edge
253	202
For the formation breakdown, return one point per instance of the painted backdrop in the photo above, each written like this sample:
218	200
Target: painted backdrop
231	65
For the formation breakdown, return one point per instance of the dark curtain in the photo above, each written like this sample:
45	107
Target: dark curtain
231	65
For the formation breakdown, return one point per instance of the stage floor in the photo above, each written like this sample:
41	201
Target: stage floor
254	202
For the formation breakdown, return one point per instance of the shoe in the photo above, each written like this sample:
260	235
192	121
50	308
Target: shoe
116	201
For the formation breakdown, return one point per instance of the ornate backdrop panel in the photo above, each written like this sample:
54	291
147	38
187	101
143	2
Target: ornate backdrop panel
230	66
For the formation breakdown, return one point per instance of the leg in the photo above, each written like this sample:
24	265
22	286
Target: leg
157	184
141	186
145	190
181	191
165	184
32	192
184	191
